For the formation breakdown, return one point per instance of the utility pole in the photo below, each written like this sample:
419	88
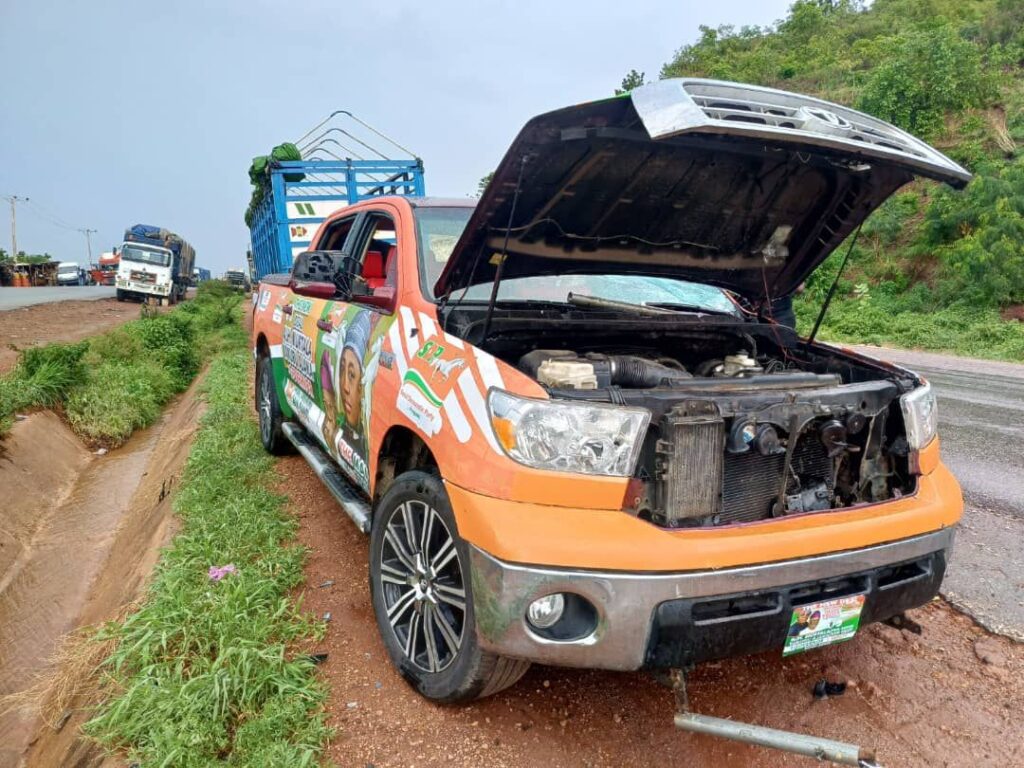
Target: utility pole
13	200
88	243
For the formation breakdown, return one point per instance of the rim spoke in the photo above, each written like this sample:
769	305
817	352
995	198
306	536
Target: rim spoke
401	606
453	596
447	631
443	556
409	522
410	639
392	538
428	527
433	660
391	575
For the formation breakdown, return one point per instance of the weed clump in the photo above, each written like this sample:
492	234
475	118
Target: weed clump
117	382
206	672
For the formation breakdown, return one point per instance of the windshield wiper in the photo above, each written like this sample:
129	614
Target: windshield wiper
593	302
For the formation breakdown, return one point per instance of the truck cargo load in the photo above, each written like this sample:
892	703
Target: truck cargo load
340	165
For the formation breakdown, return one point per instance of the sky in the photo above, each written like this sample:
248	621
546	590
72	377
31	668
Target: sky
114	113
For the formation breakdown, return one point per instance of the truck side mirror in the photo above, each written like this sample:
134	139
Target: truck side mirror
381	298
314	289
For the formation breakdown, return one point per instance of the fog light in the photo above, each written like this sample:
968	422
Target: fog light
546	611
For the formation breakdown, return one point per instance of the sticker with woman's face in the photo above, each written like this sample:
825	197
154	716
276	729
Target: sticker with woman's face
351	391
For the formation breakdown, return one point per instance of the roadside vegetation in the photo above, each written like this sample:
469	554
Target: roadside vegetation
112	384
206	670
933	268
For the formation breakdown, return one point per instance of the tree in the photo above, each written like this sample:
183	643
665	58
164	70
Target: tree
632	80
484	181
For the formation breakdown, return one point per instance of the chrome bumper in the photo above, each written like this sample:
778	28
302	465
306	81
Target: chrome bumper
626	602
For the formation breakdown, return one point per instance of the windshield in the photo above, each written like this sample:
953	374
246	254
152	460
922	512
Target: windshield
67	270
439	229
145	255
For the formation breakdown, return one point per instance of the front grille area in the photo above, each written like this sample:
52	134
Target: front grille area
751	481
143	277
699	482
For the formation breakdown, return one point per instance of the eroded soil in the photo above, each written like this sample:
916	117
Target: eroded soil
82	549
58	321
919	700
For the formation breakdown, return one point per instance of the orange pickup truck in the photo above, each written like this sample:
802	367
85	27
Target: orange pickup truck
565	415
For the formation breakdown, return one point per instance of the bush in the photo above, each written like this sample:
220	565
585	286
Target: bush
930	70
119	398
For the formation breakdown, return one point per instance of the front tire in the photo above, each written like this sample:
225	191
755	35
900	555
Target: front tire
423	597
269	409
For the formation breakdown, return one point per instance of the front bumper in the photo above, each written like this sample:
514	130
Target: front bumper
675	619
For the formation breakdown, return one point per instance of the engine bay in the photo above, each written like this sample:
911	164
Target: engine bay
748	422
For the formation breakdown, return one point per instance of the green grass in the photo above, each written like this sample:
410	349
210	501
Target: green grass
118	382
207	672
958	328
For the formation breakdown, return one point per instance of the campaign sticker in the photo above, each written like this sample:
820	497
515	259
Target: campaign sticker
819	624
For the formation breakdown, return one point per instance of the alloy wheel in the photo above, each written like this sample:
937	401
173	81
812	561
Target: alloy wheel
265	407
422	586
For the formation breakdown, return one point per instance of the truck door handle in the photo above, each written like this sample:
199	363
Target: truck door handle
287	309
325	325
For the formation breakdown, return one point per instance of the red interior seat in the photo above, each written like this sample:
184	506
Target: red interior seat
373	269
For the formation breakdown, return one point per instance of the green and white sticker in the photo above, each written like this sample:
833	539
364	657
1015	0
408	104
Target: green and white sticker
818	624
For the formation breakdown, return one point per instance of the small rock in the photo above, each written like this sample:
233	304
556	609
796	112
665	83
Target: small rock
327	616
547	683
324	585
20	417
100	452
352	704
617	718
988	651
890	635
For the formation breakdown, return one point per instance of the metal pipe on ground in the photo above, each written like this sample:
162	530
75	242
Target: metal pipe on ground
810	746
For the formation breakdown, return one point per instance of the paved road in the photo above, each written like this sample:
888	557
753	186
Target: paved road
13	298
981	423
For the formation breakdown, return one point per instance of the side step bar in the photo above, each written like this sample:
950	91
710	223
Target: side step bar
350	499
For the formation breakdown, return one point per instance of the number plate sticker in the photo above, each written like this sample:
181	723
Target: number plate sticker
818	624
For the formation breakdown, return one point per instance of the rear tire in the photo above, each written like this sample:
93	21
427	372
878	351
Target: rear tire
423	596
269	409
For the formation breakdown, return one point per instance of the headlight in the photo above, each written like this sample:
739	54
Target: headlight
588	438
920	414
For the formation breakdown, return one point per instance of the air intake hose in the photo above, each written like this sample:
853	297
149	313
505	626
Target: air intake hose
635	372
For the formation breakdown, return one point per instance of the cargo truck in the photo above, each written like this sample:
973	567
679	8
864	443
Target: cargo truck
105	272
297	195
156	264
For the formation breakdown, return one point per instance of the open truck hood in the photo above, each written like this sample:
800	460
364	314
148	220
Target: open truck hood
738	186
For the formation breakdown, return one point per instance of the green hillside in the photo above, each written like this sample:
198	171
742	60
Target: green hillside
933	268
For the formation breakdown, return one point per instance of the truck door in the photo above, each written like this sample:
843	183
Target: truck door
352	332
307	373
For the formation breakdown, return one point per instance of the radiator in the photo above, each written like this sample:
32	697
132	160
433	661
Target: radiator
690	463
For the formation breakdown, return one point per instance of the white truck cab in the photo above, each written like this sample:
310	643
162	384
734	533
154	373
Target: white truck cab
69	273
145	271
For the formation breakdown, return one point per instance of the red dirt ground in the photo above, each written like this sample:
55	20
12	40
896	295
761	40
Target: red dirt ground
925	700
58	321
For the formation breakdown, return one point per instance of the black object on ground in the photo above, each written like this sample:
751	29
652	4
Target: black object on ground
824	688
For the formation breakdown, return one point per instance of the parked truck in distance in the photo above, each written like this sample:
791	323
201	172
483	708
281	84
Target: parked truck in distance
105	271
238	278
200	275
156	264
69	273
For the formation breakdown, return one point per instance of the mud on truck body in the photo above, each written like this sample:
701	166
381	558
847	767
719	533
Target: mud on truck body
566	418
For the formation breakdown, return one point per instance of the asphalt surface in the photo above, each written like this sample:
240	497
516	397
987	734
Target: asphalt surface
13	298
981	425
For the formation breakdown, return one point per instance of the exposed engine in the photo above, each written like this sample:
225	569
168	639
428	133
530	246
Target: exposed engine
742	436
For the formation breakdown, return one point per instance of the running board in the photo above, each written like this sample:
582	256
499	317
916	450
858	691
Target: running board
350	499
